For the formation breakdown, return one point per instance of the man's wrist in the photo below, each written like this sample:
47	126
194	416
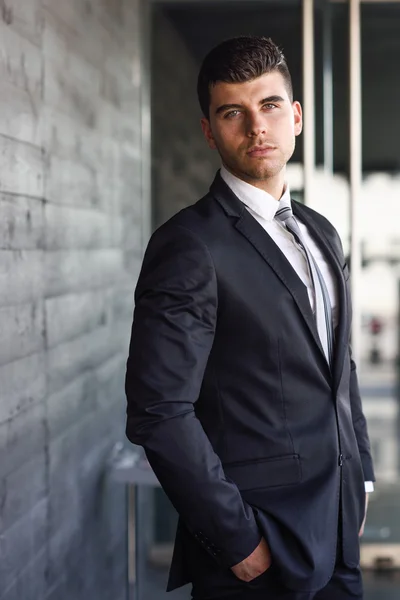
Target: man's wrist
369	486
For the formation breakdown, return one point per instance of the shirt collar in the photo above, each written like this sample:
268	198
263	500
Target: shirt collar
258	201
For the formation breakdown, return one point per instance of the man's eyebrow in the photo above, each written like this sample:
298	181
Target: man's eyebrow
272	99
225	107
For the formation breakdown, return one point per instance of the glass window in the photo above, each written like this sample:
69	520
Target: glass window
380	293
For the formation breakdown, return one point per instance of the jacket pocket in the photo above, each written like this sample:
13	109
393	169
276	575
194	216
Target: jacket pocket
265	472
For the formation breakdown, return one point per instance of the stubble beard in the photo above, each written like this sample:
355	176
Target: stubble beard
262	169
255	169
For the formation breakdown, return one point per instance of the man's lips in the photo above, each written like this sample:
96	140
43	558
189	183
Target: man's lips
260	151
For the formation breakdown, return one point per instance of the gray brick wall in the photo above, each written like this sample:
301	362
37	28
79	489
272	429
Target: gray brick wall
70	249
183	165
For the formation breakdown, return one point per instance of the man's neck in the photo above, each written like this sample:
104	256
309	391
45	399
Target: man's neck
275	186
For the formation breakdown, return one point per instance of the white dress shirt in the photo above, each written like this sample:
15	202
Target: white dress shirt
262	206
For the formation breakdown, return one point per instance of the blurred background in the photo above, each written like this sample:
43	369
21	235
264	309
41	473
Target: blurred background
100	143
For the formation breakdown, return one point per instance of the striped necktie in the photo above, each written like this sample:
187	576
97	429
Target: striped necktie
323	308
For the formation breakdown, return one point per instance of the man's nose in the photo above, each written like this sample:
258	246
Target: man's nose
255	125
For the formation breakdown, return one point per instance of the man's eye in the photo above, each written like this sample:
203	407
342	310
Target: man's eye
231	114
269	106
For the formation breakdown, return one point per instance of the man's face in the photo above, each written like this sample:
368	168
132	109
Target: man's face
253	126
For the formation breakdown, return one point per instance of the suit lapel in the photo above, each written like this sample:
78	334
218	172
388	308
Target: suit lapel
270	252
266	247
334	260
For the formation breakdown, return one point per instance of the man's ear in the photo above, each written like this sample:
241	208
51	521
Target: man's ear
208	134
298	118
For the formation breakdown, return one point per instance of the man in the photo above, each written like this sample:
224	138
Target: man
240	382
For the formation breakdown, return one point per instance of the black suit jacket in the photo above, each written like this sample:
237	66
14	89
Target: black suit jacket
229	392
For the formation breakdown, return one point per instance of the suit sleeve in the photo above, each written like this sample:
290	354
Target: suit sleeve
360	424
172	335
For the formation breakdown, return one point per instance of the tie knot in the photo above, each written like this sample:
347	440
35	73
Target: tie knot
284	213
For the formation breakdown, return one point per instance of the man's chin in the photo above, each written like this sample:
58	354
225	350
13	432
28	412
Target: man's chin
255	171
262	174
262	170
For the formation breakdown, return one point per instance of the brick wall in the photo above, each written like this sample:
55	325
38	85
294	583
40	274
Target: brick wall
70	249
183	165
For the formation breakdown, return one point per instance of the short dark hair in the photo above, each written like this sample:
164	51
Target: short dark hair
238	60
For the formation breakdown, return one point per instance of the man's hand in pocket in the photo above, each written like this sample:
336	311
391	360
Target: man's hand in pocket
254	565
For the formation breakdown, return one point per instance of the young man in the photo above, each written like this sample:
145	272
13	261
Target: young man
240	382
